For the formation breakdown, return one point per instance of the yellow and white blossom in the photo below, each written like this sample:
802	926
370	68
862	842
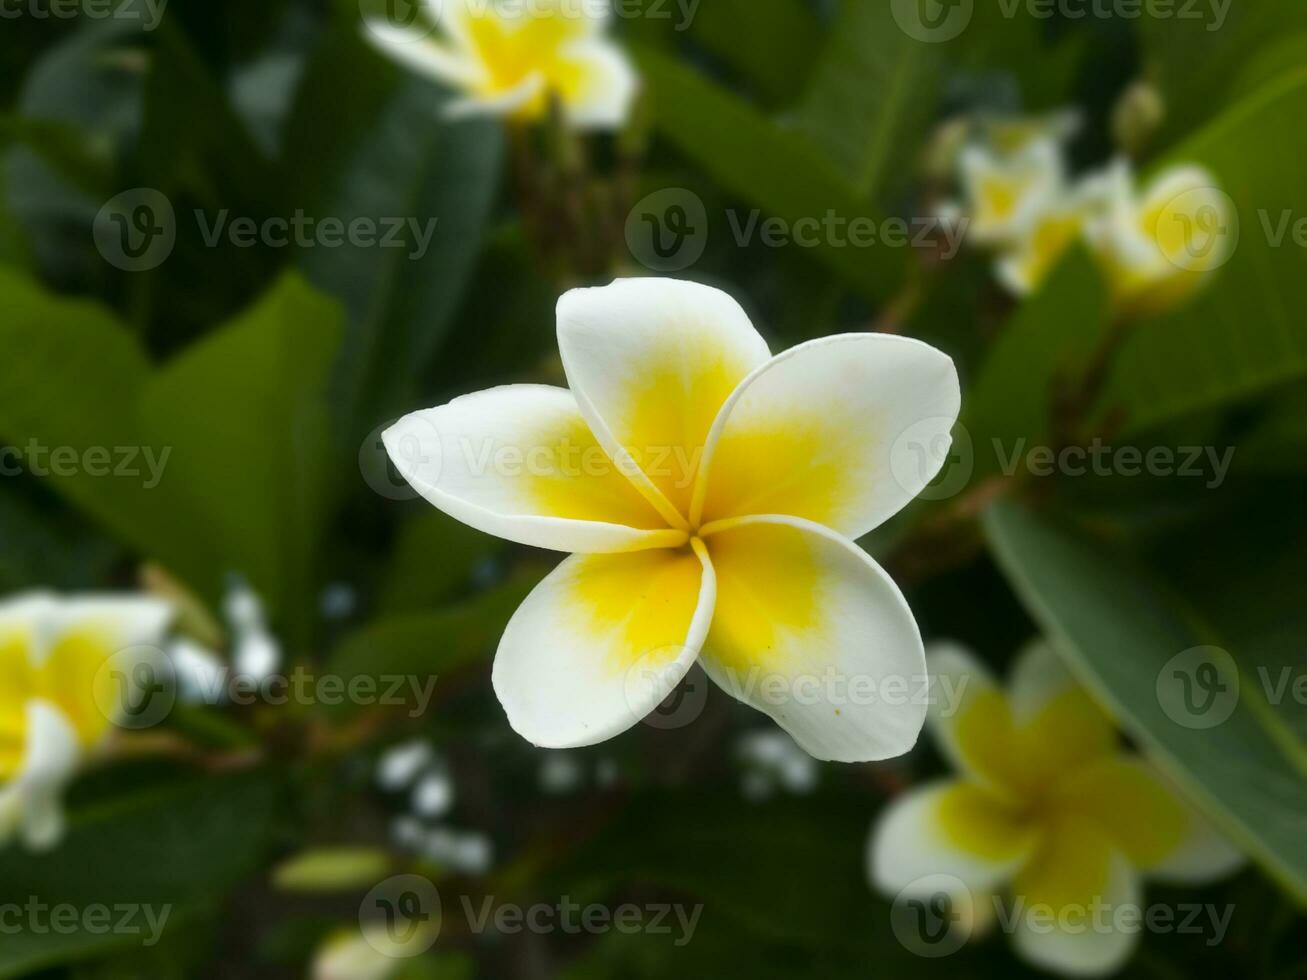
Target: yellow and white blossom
1156	247
55	698
1006	192
1047	805
1159	245
712	492
513	58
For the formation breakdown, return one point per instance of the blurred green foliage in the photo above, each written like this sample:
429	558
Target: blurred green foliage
268	371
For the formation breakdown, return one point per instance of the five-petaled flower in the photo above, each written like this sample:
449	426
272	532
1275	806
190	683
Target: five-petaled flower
712	492
57	699
513	59
1047	804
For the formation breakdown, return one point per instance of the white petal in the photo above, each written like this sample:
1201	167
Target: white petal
118	621
201	674
1078	904
842	431
651	362
1204	853
811	631
50	763
505	103
601	642
952	828
604	86
519	462
424	54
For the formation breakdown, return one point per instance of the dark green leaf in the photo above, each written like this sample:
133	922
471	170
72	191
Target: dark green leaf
1118	628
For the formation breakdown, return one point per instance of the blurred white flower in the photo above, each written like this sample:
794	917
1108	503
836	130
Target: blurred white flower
560	773
201	673
60	695
400	766
434	795
256	653
773	761
513	59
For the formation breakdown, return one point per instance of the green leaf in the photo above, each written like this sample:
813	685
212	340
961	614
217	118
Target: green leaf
74	390
769	166
437	179
81	162
1039	355
40	547
1196	64
1118	628
177	850
872	97
771	43
192	137
433	562
246	412
432	644
1243	336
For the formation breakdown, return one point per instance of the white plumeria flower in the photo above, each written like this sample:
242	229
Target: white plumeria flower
1045	803
1007	192
1159	246
712	492
56	699
512	59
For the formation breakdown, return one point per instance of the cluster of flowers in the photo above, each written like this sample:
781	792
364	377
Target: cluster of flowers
1156	244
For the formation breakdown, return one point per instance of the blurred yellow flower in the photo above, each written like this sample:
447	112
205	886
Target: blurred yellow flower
1158	246
512	58
713	491
1046	804
55	700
